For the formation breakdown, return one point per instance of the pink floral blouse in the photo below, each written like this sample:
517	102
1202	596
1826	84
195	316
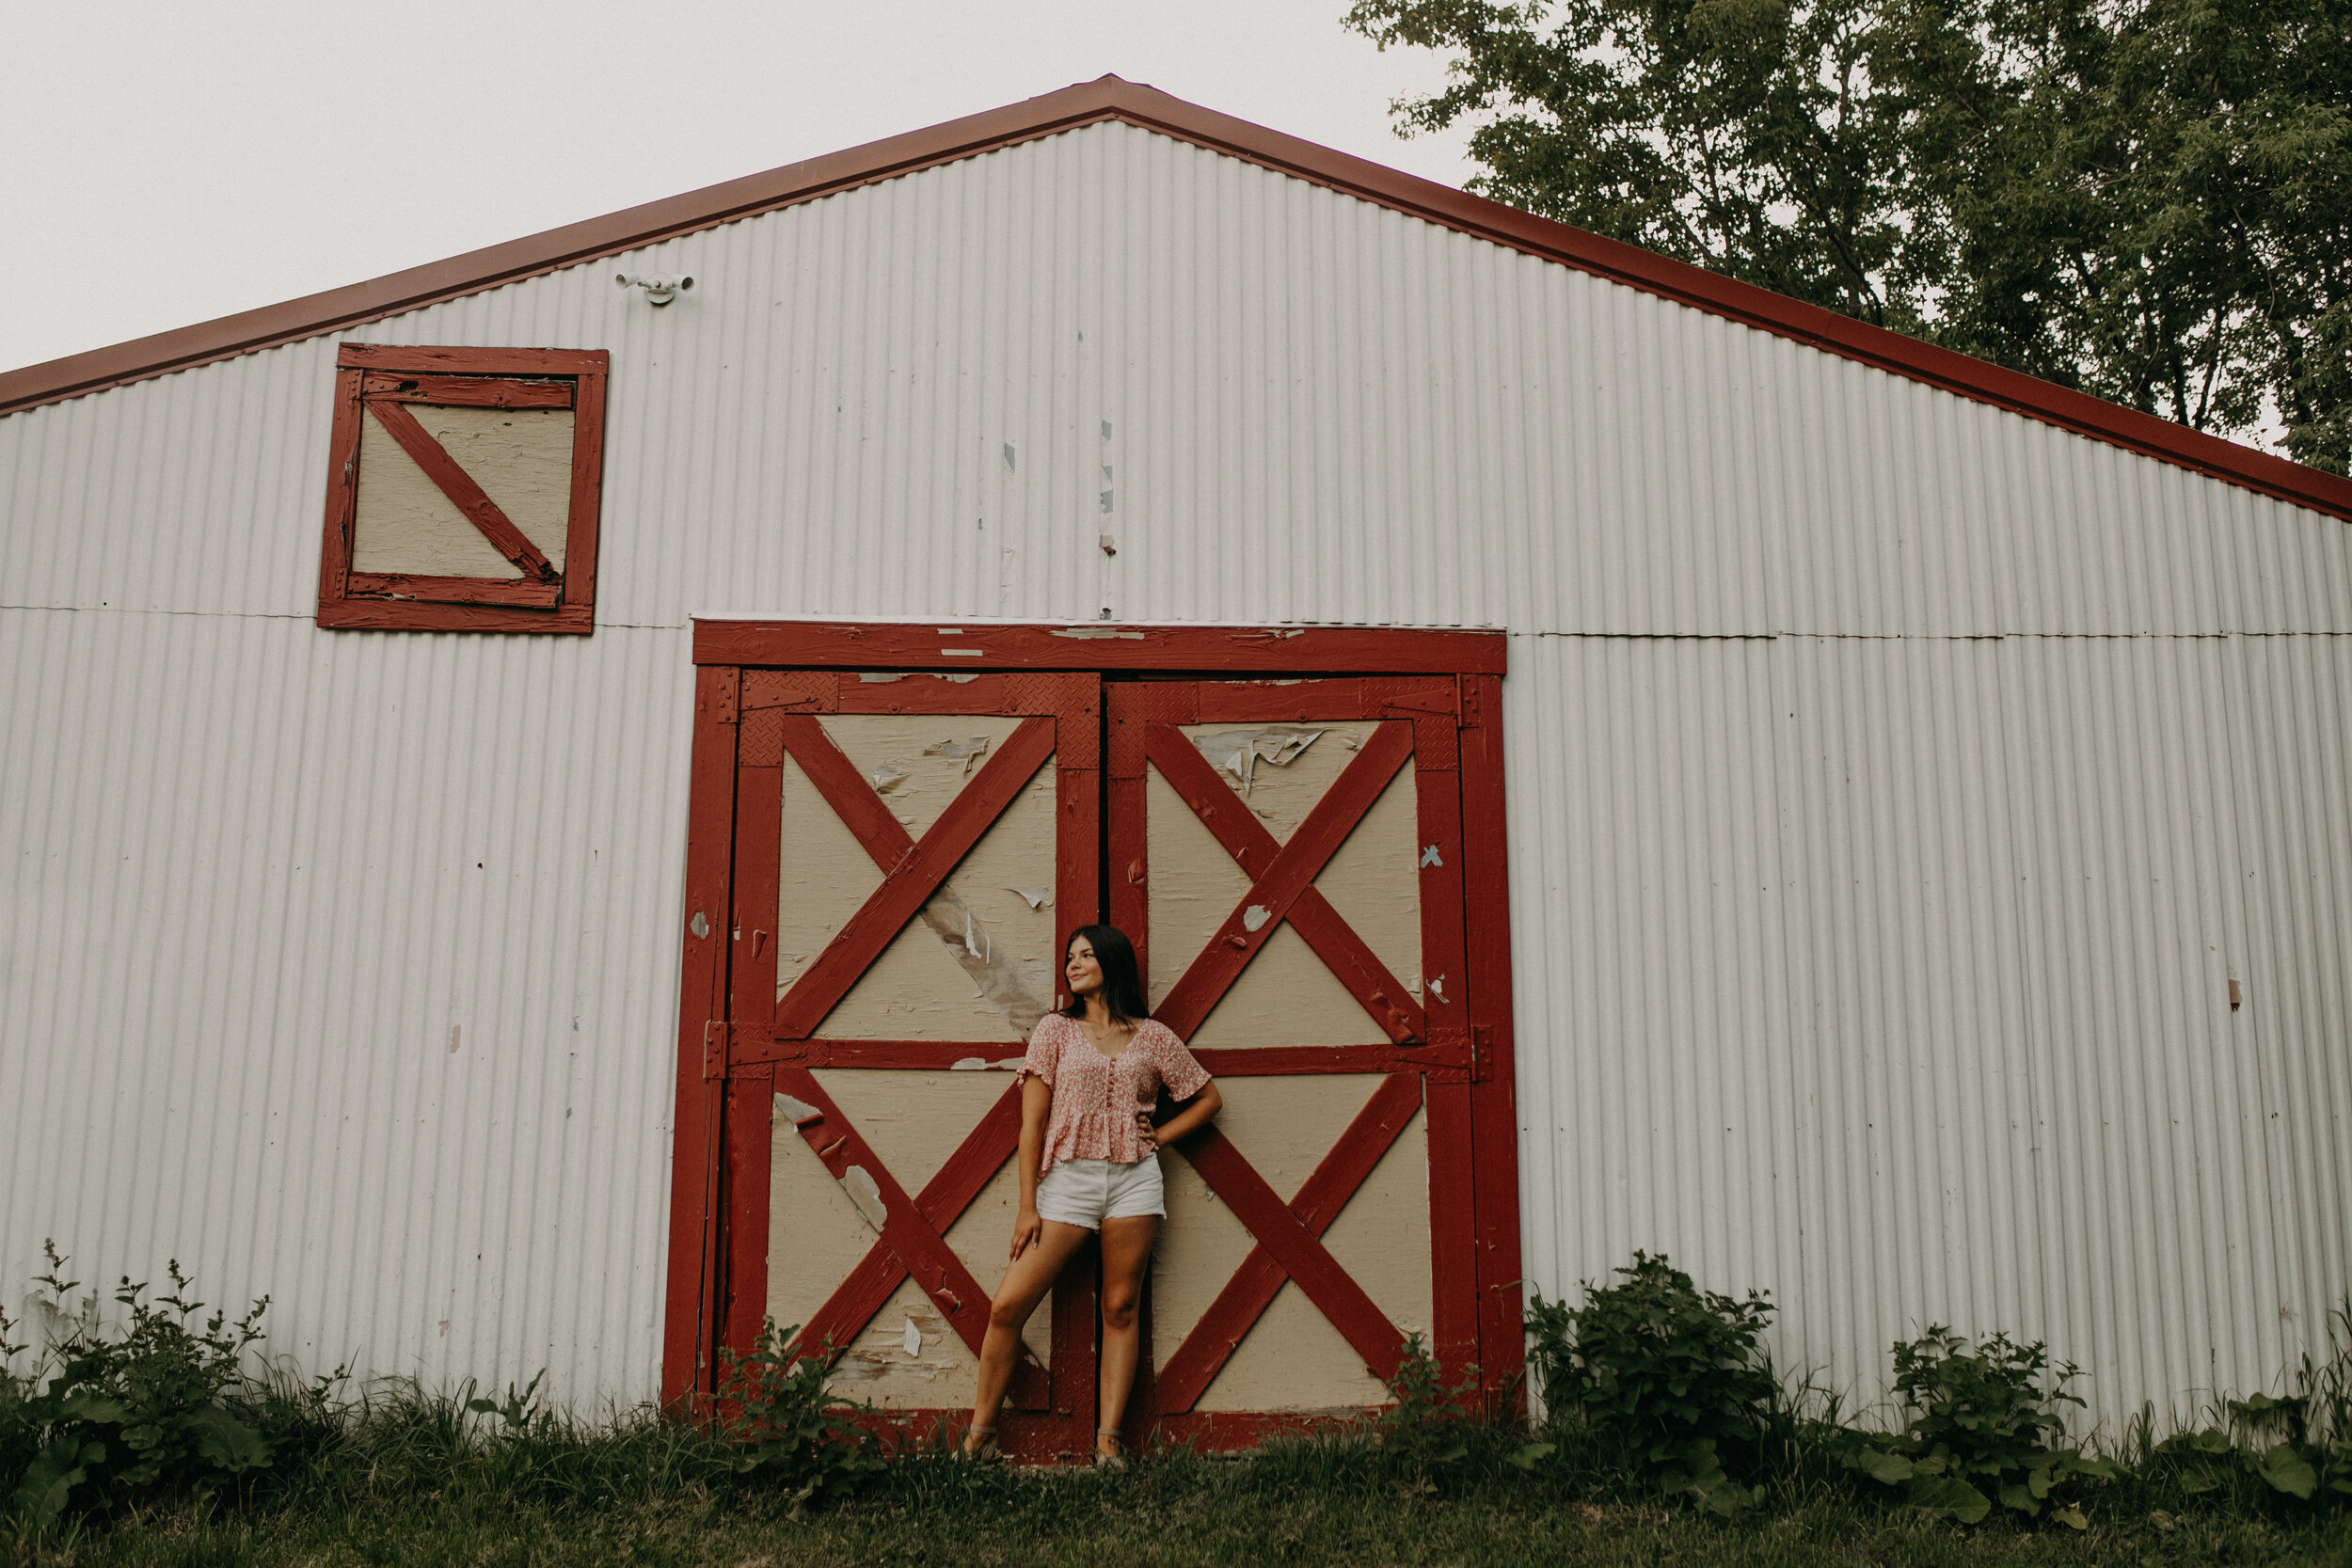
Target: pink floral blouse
1096	1096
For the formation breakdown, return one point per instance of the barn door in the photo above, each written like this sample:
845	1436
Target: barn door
893	829
909	850
1288	856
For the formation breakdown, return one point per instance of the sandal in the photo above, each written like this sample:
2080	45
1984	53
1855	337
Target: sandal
1110	1461
980	1447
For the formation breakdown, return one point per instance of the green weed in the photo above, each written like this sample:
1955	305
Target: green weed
1669	1383
163	1409
1983	1426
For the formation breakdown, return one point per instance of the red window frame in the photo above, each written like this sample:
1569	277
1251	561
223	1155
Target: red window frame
379	382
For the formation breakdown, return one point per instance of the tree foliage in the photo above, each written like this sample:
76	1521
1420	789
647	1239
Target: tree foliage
2147	199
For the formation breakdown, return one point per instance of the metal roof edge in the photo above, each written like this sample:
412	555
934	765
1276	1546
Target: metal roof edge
1110	98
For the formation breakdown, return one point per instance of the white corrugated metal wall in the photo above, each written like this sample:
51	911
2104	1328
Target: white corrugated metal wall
1896	783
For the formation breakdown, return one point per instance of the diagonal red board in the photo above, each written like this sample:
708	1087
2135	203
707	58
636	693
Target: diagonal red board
915	877
1296	1251
458	485
912	1230
1247	1295
1283	876
846	790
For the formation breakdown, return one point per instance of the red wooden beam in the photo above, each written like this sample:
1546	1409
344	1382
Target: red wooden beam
913	879
1296	1250
1093	647
579	546
459	487
849	792
1494	1106
434	359
1283	881
1244	1298
911	1238
466	391
343	490
941	1202
690	1326
523	593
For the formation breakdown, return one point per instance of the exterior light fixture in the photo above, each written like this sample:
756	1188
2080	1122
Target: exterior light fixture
660	287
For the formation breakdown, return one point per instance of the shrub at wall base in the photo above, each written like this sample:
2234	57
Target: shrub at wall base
787	1429
1984	1426
157	1410
1671	1382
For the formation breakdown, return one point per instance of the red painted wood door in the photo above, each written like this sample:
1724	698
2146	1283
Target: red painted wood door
910	851
884	865
1289	859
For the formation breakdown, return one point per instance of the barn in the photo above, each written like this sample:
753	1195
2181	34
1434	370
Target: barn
540	794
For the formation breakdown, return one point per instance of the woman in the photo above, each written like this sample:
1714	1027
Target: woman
1089	1161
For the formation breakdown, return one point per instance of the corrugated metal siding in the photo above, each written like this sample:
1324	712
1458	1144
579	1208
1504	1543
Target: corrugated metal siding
1897	782
341	970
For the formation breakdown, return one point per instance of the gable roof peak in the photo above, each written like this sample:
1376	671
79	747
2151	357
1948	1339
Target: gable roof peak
1114	98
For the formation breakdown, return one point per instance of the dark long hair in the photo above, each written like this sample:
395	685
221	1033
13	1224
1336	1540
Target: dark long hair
1123	981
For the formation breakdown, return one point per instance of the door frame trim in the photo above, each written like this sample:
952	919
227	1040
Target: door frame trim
724	648
1105	646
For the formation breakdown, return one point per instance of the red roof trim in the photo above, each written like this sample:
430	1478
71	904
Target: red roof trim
1110	98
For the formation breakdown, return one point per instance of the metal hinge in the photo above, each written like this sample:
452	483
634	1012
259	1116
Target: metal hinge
715	1043
1482	1053
727	709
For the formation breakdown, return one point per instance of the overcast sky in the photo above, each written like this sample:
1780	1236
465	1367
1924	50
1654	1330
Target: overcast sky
164	164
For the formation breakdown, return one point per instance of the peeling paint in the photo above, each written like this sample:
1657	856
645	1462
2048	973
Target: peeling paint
1035	897
889	777
1429	856
1239	751
700	925
911	1340
1007	985
966	1064
1004	969
1437	988
796	1111
879	677
1255	917
1089	634
866	1194
964	751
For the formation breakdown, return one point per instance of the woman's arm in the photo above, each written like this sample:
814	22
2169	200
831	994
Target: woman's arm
1197	1112
1037	1098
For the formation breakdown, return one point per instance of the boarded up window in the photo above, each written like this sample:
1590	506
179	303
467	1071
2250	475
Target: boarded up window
462	489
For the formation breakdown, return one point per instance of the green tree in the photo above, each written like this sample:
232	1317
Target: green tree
2147	199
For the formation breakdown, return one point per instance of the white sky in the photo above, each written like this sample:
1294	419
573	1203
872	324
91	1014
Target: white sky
163	164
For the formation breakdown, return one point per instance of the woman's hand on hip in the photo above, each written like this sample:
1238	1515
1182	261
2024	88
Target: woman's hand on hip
1028	1230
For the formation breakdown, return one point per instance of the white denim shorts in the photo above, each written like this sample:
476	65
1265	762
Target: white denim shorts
1088	1192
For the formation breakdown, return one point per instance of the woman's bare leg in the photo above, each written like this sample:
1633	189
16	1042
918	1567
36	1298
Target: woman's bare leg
1026	1282
1126	1253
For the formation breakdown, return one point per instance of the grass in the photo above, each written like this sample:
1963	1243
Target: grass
413	1479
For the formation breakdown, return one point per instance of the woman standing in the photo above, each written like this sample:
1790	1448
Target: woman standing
1089	1161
